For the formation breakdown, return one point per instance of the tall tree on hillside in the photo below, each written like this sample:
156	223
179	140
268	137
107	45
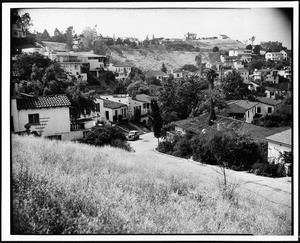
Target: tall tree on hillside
46	35
256	49
24	20
163	68
198	60
69	37
156	119
252	39
90	35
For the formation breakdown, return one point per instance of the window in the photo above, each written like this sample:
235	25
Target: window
269	109
258	110
97	107
33	119
248	113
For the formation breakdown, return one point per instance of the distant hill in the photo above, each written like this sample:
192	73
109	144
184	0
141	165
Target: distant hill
153	57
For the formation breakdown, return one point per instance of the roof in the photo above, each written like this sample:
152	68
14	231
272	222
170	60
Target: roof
269	101
143	98
43	102
243	70
234	108
155	73
271	89
112	104
122	65
197	124
89	54
243	104
282	137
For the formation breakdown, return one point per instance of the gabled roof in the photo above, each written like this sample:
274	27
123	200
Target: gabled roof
245	104
234	108
282	137
49	101
112	104
269	101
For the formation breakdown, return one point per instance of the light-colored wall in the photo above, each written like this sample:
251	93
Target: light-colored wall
252	111
58	122
264	109
274	150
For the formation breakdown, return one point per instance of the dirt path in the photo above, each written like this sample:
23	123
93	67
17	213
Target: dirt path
276	190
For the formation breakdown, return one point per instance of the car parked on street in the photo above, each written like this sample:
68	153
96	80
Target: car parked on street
133	135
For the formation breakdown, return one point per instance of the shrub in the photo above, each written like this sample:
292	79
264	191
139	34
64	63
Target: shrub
166	147
183	148
270	170
201	151
106	135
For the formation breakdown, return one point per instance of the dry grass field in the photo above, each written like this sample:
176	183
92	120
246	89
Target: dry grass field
70	188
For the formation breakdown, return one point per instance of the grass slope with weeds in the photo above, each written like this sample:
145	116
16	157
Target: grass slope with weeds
68	188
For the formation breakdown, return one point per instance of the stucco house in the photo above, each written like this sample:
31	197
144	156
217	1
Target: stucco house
49	116
267	106
277	144
17	31
122	70
181	74
111	111
244	74
274	56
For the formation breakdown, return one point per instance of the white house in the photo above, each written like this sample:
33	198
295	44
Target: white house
179	74
123	70
110	111
94	60
40	50
286	73
17	31
47	115
71	63
279	143
274	56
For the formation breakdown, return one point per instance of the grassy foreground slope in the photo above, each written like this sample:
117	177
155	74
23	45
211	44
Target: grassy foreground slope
64	187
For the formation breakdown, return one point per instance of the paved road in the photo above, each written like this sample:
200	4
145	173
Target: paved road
276	190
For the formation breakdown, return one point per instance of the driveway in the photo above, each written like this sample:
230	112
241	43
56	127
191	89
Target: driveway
276	190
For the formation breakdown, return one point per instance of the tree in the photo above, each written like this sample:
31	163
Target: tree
24	20
156	119
249	47
215	49
189	67
100	48
252	39
233	87
210	76
257	49
137	87
272	46
69	37
45	35
136	74
163	68
90	34
198	60
106	135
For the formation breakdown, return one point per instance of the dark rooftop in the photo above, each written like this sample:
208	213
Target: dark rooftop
43	102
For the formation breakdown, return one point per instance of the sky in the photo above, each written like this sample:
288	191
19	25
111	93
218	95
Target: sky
266	24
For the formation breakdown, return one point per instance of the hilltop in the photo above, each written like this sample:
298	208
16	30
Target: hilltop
61	187
152	57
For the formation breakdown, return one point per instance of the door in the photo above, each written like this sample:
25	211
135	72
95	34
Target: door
107	115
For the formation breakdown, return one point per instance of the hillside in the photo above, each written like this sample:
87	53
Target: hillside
152	57
69	188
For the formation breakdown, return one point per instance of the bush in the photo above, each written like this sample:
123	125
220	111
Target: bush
201	151
166	147
270	170
183	148
106	135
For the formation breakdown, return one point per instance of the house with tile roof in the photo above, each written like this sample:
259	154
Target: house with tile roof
277	144
47	115
199	125
243	110
110	111
267	106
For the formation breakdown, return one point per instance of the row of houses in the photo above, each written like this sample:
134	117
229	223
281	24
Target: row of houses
49	116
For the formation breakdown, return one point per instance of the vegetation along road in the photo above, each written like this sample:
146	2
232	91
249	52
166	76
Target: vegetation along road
276	190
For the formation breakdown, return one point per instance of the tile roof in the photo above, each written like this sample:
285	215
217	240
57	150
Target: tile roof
282	137
143	98
269	101
234	108
199	123
112	104
43	102
245	104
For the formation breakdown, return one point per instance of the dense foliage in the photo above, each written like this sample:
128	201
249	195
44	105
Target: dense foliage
106	135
